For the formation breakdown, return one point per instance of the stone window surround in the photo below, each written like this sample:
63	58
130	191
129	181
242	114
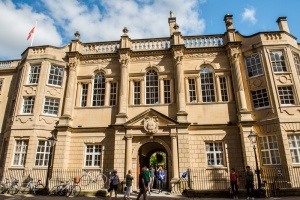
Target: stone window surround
58	107
295	147
46	151
268	150
261	63
214	152
93	154
217	77
258	108
284	52
62	78
28	105
142	81
37	75
292	89
24	143
89	80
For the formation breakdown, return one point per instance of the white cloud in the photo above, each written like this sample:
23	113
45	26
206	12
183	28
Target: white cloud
249	15
96	20
16	22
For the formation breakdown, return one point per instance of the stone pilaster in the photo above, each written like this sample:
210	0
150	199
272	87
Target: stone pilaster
89	95
161	91
61	150
119	153
183	149
107	92
218	88
128	153
199	90
247	147
142	89
174	156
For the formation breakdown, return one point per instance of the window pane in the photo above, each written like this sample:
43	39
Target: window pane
152	87
207	85
192	91
278	61
286	95
93	155
254	67
55	75
99	89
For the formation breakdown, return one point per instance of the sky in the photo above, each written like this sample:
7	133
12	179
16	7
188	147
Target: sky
104	20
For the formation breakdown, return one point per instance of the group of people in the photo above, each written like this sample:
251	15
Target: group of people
234	183
146	182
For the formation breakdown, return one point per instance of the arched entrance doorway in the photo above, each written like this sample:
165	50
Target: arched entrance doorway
149	149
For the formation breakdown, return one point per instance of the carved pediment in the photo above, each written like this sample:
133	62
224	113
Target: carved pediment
151	120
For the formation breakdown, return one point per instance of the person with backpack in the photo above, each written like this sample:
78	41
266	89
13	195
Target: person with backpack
113	183
129	179
160	178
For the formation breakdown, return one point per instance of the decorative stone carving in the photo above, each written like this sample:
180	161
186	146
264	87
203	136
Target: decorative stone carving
73	63
124	61
235	54
30	90
257	82
178	59
149	58
96	61
54	92
151	124
201	55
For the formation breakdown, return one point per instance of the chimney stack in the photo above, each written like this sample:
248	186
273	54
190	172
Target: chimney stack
282	24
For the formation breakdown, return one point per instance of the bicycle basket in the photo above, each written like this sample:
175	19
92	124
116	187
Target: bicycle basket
76	180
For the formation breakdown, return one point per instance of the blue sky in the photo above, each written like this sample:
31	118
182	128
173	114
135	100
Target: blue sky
103	20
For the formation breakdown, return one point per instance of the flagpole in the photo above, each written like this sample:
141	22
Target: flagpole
33	32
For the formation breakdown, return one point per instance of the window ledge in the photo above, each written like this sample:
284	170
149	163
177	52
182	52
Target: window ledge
16	167
54	86
31	84
215	167
95	107
255	76
261	108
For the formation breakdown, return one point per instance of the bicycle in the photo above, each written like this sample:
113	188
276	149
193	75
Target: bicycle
35	187
12	188
61	189
74	189
90	176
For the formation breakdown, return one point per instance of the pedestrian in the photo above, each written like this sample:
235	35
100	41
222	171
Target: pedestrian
113	183
152	176
249	183
234	183
142	186
147	178
160	178
129	179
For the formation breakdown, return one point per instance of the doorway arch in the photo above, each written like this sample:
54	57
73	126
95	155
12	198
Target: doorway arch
143	151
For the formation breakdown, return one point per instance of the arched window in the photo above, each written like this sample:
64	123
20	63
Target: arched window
99	89
207	85
152	87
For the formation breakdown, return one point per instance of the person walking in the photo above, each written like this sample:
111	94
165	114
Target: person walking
147	179
160	178
249	183
152	176
113	183
234	183
142	186
129	179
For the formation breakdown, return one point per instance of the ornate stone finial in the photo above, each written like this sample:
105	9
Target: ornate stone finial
125	30
171	14
176	27
77	34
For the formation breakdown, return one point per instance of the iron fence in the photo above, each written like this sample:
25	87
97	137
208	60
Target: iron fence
273	178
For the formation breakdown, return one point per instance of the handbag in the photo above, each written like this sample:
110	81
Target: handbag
125	189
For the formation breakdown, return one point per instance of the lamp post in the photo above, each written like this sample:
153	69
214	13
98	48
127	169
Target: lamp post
51	140
253	139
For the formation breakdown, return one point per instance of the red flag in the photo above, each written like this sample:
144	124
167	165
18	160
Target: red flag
30	33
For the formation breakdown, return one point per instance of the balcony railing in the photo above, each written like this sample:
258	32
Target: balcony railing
5	64
203	41
151	44
101	47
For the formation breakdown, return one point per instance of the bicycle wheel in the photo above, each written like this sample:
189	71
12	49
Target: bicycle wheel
69	190
85	180
25	189
101	179
2	188
14	189
38	189
54	190
76	190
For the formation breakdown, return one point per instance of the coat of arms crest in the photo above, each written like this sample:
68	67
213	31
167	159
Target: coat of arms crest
151	124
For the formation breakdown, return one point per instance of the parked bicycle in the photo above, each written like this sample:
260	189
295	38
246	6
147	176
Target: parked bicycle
32	187
11	187
61	189
74	189
93	177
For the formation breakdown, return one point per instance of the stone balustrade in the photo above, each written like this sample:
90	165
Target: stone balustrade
101	47
39	50
5	64
150	44
203	41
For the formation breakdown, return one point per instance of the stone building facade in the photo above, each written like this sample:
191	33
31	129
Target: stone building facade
112	104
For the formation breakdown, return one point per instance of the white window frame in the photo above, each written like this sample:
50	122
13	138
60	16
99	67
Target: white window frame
20	155
277	64
136	93
253	65
84	94
192	90
167	91
99	99
282	97
297	62
42	153
93	155
268	148
258	96
57	76
1	85
223	88
47	103
294	144
113	93
206	81
28	104
217	154
34	74
152	87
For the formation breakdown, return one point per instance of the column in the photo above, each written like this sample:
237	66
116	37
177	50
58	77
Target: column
241	93
175	156
199	91
142	89
69	99
89	94
123	85
187	96
79	89
180	84
218	88
172	90
107	92
161	91
131	92
128	153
